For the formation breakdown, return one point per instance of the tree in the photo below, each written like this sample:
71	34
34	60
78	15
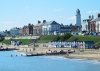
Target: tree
57	38
65	37
1	37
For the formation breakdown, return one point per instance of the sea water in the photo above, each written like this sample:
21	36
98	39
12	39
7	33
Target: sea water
13	61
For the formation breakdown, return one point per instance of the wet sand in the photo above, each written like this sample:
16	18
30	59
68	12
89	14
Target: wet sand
87	54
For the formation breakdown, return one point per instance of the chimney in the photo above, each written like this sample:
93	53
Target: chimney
44	21
39	22
98	15
90	17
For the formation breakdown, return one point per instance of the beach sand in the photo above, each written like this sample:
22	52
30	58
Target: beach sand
90	54
87	54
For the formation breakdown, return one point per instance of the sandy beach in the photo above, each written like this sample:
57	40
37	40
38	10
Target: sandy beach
87	54
90	54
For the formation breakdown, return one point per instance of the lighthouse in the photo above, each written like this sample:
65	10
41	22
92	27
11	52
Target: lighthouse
78	18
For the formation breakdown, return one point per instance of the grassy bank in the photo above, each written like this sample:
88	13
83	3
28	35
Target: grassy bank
48	38
45	39
85	38
24	41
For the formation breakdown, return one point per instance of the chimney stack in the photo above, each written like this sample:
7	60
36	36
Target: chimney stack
44	21
39	22
98	15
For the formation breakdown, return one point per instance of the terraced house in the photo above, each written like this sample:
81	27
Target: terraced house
51	28
91	25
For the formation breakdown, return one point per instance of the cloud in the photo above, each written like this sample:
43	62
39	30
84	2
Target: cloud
93	11
72	18
58	10
7	25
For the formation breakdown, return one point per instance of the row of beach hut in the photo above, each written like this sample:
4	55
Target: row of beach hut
74	44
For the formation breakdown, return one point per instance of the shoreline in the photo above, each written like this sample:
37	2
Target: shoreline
87	54
75	58
72	57
83	58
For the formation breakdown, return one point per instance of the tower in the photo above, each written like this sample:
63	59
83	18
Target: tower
78	18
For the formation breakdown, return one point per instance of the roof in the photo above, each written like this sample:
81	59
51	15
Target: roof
51	23
40	24
97	19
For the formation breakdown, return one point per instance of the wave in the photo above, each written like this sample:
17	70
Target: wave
85	61
55	57
74	60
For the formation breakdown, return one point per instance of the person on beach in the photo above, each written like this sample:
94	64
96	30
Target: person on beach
26	50
67	53
33	49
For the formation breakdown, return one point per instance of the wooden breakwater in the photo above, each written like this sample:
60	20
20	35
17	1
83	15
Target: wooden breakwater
50	53
8	49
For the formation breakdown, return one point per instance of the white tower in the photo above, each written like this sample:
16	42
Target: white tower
78	18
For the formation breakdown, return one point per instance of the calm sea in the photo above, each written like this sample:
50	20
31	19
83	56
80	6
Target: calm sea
45	63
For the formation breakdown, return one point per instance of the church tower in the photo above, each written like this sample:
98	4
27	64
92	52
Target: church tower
78	18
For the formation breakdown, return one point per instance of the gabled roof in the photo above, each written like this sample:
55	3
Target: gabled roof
51	23
97	19
40	24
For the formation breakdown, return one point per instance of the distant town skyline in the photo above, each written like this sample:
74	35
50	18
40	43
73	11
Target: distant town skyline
17	13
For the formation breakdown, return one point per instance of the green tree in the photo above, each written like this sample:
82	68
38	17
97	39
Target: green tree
1	38
56	38
65	37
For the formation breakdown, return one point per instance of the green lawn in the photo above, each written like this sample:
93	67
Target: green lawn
24	41
46	39
85	38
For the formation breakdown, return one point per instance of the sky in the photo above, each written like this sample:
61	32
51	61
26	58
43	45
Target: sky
17	13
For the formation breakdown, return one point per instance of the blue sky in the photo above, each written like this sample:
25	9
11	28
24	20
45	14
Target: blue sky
17	13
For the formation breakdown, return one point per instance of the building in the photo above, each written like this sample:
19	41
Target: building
51	28
25	30
85	25
64	29
37	29
78	18
30	27
89	24
92	26
97	20
14	31
72	44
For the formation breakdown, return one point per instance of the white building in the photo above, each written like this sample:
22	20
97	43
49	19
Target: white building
98	24
14	31
78	18
85	25
51	28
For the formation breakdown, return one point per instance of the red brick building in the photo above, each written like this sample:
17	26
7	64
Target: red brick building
92	26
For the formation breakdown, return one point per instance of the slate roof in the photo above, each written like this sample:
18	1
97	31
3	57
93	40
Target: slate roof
51	23
40	24
97	19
